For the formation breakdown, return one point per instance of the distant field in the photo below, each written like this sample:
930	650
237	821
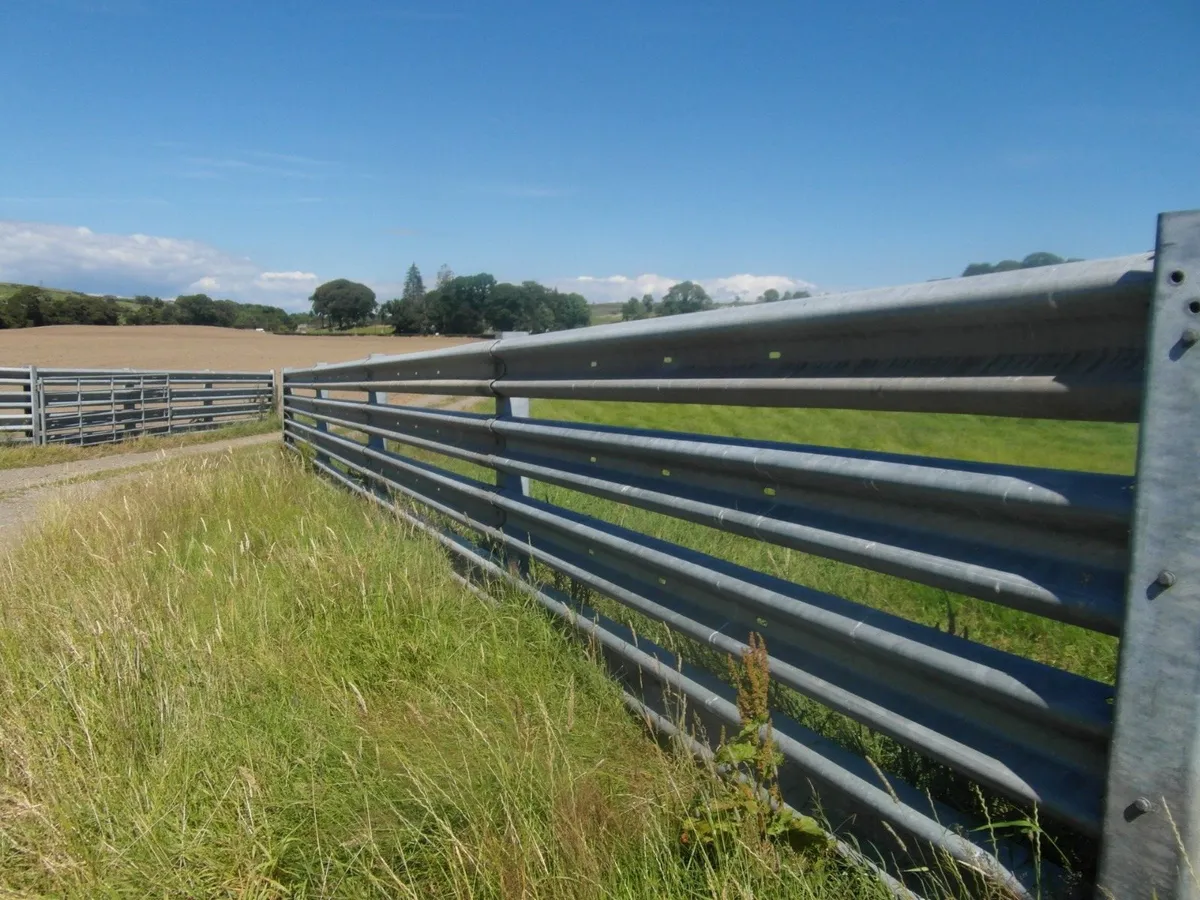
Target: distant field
7	289
604	313
193	347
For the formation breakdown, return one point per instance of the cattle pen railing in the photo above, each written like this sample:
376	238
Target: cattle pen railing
96	406
1109	341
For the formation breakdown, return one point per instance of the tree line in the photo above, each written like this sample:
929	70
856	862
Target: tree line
1032	261
457	304
31	307
689	297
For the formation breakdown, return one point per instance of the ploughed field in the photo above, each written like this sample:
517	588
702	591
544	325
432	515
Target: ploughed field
193	347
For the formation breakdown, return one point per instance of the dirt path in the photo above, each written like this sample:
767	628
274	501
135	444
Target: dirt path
24	491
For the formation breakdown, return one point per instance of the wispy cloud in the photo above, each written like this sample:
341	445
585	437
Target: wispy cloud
107	201
99	7
217	167
519	190
252	163
417	15
292	159
82	259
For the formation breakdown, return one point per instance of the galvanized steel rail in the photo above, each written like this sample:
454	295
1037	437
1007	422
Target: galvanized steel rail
1111	340
95	406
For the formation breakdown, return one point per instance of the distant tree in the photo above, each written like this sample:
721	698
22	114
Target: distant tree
195	309
226	313
632	310
343	303
795	295
508	307
460	305
145	314
445	275
535	308
685	297
567	310
409	313
770	295
406	316
414	285
648	304
26	308
1032	261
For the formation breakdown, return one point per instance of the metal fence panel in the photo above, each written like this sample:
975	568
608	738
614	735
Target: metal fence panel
91	406
1064	342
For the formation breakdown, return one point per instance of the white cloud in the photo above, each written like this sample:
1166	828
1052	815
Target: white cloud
618	288
78	258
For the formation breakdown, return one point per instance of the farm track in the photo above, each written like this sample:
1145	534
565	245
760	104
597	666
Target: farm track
26	491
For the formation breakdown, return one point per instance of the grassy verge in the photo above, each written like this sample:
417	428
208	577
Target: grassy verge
17	456
1079	446
234	679
1086	446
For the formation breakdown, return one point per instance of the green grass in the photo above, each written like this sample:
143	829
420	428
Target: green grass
234	679
1088	446
1095	447
7	289
17	456
1085	446
377	329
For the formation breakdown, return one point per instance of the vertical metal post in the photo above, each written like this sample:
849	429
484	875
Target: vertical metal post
35	408
129	406
207	420
322	425
170	410
376	398
284	393
40	406
79	406
112	409
142	391
1151	837
512	485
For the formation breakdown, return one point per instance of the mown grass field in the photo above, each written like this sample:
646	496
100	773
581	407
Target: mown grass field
234	679
1085	446
1082	446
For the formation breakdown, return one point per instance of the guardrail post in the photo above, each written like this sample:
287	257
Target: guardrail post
170	407
376	398
322	424
512	485
129	406
207	420
1151	837
35	408
284	393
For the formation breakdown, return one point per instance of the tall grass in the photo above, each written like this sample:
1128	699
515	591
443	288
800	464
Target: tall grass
235	679
17	456
1097	447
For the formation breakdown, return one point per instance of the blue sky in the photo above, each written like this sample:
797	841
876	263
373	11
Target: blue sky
251	149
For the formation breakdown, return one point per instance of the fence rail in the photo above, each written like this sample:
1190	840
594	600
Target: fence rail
95	406
1110	340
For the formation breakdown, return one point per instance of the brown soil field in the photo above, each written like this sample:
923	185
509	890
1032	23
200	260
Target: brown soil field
192	347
